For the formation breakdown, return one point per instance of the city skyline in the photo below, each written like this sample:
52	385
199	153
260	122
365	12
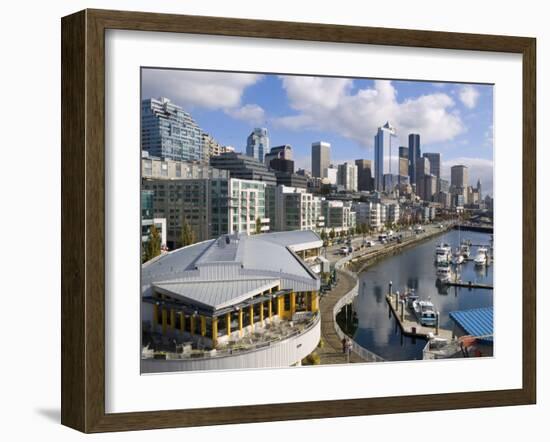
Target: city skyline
452	119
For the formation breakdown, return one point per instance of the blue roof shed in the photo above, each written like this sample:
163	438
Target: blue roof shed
475	322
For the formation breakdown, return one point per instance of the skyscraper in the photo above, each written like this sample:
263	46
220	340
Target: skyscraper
422	171
403	161
320	158
257	144
459	176
386	154
364	175
168	132
435	163
414	154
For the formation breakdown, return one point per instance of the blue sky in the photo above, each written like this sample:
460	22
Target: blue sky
454	119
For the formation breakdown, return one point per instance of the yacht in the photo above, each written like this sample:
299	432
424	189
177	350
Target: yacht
425	313
465	250
409	296
481	257
442	253
458	258
443	271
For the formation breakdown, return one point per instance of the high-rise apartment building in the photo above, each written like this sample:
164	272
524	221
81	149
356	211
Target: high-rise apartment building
152	167
386	154
168	132
320	158
347	176
338	215
257	144
365	180
414	154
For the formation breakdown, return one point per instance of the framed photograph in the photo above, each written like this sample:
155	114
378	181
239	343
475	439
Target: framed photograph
266	220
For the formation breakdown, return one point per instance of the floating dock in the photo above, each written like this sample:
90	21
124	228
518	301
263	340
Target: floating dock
469	285
409	324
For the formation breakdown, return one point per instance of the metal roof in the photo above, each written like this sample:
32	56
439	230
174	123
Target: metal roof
222	272
475	322
216	294
295	239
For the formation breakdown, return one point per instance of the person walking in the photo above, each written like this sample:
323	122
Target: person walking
344	345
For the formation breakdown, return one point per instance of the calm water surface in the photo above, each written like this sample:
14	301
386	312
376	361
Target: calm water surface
378	331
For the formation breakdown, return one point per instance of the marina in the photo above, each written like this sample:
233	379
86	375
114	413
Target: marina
380	327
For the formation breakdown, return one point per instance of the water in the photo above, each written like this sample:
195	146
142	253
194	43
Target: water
378	330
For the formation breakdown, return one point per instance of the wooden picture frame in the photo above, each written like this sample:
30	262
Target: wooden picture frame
83	219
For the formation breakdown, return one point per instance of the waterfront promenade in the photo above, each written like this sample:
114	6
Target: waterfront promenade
331	352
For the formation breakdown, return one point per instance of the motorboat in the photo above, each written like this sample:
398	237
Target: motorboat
425	312
442	253
409	296
443	272
465	250
457	258
481	257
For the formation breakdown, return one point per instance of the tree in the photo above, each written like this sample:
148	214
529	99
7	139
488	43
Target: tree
187	234
258	225
152	248
332	234
323	235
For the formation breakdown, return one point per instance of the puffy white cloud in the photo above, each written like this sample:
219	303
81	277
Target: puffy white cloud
468	95
251	113
211	90
332	104
478	168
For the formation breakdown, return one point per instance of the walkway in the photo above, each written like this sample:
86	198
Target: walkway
331	352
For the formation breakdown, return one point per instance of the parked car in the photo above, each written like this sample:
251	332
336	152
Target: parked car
369	243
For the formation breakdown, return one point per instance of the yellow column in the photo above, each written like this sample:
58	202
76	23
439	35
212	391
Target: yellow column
182	322
281	306
228	323
192	324
292	303
314	302
240	322
214	332
164	320
203	325
270	309
172	319
262	312
251	313
308	301
155	316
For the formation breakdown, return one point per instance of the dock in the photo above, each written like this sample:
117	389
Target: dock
469	285
409	324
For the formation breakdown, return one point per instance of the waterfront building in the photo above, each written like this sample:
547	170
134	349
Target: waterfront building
392	213
331	174
257	144
168	132
365	179
296	209
444	198
414	154
347	176
386	154
338	215
459	176
244	167
320	158
152	167
369	213
211	207
222	305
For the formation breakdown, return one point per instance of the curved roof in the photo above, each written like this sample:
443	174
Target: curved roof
218	273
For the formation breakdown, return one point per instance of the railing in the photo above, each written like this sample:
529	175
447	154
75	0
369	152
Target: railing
362	352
